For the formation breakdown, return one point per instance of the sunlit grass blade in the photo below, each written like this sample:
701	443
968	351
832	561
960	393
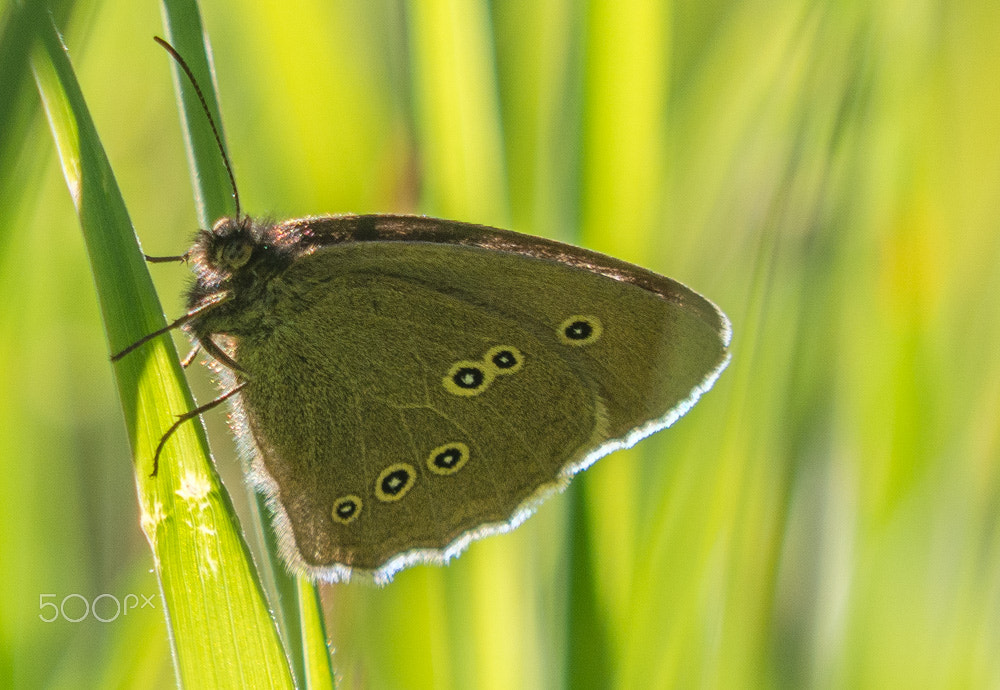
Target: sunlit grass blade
214	195
220	629
212	189
318	674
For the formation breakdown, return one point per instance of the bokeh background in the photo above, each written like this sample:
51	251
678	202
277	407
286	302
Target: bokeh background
828	173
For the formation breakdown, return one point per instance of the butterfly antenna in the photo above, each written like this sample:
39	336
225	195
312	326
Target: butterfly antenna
208	113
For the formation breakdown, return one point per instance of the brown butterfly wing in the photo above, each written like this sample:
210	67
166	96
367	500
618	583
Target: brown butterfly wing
361	383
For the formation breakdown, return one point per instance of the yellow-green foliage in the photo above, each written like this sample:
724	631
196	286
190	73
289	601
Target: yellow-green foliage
827	172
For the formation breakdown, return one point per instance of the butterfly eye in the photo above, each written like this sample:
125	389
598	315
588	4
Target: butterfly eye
235	254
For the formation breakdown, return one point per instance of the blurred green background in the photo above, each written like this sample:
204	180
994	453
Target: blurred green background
828	173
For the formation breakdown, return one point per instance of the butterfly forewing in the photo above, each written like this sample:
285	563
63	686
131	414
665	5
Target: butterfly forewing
433	391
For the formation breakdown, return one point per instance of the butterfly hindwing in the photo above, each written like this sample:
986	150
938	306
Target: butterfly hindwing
441	394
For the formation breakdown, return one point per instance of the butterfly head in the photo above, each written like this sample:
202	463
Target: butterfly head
231	248
227	247
238	256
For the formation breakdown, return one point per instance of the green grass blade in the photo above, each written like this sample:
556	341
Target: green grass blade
589	663
220	629
214	198
318	673
212	188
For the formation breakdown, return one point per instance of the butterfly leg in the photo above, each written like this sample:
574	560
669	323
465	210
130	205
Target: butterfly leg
186	362
186	416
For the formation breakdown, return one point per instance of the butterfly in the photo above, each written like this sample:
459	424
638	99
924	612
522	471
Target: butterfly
404	385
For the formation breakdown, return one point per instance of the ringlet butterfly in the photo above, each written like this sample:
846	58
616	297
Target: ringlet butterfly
404	385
